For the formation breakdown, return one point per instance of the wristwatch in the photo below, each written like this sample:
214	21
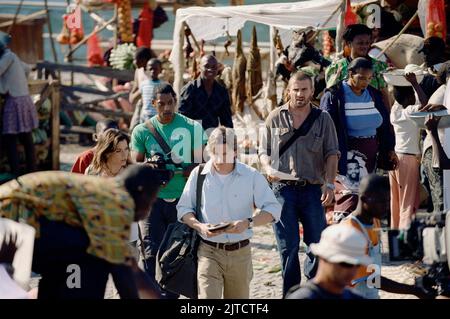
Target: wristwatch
330	186
250	223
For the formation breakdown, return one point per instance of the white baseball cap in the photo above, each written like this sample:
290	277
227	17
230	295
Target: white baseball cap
342	244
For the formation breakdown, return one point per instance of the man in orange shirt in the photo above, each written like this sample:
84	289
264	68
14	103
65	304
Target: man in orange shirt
373	205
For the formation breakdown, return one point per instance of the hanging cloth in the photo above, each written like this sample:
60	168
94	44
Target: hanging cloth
350	16
145	32
94	52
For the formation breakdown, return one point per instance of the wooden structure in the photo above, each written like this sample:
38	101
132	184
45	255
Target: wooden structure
73	96
27	41
49	90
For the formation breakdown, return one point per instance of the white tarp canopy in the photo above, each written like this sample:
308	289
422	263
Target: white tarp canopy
209	23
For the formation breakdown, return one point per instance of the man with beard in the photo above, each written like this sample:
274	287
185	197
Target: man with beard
174	142
204	99
353	173
300	140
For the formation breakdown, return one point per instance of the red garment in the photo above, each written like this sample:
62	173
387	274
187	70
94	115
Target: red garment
145	32
83	161
94	51
350	16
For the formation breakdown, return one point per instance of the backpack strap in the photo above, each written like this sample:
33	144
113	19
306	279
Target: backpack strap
200	180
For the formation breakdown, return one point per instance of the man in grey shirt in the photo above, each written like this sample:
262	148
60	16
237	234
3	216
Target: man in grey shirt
300	141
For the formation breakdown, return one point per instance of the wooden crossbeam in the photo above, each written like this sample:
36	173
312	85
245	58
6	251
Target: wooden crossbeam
123	75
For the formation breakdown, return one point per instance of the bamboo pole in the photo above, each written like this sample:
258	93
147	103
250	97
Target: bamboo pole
96	17
399	34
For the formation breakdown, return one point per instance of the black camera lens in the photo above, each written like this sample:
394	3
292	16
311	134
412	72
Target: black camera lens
165	176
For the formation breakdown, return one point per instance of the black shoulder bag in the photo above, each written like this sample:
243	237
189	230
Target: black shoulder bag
176	261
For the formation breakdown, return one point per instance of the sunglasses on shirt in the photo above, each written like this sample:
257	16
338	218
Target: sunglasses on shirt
346	265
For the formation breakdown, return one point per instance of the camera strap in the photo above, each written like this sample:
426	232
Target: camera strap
159	139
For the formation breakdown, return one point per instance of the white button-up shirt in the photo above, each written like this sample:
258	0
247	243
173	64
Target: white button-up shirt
234	200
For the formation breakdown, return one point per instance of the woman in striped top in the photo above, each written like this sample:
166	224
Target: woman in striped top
362	125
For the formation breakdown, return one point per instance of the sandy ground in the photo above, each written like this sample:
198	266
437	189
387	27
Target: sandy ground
267	280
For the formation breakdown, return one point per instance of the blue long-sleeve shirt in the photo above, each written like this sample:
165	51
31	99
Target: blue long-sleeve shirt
333	101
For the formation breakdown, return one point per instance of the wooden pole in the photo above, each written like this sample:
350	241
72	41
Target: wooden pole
192	36
15	17
115	33
340	29
398	35
96	17
56	100
69	58
50	31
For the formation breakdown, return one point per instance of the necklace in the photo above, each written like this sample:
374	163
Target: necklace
109	172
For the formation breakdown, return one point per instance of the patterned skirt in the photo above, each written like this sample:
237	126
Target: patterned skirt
19	115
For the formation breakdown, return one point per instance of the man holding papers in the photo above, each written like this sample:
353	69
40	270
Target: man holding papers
299	140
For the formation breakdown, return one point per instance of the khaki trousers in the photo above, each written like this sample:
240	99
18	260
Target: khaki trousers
224	273
405	192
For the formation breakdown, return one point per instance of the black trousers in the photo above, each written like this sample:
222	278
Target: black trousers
67	271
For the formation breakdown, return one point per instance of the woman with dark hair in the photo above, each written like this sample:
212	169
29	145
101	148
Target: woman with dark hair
358	37
111	154
362	125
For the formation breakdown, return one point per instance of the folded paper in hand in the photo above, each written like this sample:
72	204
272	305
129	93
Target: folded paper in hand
282	176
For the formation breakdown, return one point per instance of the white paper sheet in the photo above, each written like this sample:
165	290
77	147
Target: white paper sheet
24	254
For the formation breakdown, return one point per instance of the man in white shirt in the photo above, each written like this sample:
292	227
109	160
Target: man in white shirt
439	184
230	192
404	179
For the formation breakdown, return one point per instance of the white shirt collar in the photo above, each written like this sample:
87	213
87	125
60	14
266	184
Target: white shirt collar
209	168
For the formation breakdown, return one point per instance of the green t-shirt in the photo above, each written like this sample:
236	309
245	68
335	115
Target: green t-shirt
183	135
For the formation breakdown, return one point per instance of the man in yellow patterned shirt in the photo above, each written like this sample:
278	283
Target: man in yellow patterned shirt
84	221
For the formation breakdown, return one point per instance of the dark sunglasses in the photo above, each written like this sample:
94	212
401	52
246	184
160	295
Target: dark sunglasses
346	265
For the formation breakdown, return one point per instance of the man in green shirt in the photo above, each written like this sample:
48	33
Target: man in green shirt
185	138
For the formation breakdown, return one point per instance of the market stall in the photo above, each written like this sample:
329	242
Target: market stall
214	22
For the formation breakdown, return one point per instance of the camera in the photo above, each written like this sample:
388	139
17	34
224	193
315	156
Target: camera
428	240
159	163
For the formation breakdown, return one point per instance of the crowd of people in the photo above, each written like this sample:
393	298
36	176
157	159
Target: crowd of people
356	156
